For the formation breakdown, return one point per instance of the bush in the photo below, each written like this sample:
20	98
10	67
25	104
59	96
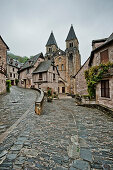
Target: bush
49	92
16	81
8	85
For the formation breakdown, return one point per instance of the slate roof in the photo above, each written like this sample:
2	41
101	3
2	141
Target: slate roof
30	63
110	38
13	62
43	67
59	52
51	40
71	34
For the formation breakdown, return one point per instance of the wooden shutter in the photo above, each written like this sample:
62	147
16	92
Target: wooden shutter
104	56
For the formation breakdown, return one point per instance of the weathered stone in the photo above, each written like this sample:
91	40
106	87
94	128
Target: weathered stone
73	151
3	153
82	165
11	156
86	154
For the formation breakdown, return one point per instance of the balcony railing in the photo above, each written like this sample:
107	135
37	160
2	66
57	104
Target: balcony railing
2	70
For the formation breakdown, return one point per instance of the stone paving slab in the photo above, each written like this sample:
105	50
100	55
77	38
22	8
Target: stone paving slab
43	142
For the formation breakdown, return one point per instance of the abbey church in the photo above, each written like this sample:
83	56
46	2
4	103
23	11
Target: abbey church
68	62
54	70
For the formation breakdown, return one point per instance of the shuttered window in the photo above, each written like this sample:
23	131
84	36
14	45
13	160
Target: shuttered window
104	57
105	92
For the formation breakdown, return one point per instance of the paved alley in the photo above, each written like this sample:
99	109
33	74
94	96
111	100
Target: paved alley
64	137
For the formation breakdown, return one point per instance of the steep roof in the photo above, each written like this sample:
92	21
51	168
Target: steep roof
71	34
13	62
4	42
110	38
30	63
51	40
43	67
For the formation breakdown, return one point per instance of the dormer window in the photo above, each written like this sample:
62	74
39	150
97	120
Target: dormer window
71	44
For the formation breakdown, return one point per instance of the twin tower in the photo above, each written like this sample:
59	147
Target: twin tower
68	62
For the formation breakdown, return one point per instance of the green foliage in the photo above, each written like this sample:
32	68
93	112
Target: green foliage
94	75
16	81
19	58
8	85
49	92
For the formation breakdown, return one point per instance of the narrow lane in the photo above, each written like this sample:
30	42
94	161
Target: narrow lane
49	141
13	105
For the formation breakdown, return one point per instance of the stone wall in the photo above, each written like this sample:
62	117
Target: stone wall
3	54
103	100
80	81
97	60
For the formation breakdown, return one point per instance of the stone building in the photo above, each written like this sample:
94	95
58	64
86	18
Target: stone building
103	54
13	67
3	56
68	62
25	73
46	75
80	81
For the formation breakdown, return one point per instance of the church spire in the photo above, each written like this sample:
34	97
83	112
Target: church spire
51	40
71	34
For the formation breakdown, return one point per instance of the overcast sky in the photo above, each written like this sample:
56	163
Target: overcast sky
25	25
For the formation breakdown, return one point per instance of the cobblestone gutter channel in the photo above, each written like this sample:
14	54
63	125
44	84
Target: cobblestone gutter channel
64	137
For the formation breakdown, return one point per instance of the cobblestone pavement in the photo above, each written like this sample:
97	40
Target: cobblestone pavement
64	137
13	105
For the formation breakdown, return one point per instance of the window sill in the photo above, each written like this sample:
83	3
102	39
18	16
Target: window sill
104	98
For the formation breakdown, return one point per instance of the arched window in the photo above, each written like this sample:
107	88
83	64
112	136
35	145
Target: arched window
62	67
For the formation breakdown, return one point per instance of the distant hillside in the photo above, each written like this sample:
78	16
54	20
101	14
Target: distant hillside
19	58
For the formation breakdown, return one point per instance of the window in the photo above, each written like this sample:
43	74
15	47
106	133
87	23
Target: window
10	74
105	88
53	68
40	76
53	76
14	75
71	44
62	67
27	71
104	58
13	69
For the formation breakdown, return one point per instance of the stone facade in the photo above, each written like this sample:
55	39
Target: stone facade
49	77
13	67
3	55
80	81
25	73
68	62
104	54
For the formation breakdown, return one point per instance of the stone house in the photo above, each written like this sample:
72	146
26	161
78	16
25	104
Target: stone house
3	56
46	75
80	81
13	67
25	73
68	62
103	54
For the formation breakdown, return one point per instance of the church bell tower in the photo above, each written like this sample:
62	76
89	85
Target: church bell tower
73	59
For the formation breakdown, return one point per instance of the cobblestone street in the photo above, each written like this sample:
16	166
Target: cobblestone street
64	137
